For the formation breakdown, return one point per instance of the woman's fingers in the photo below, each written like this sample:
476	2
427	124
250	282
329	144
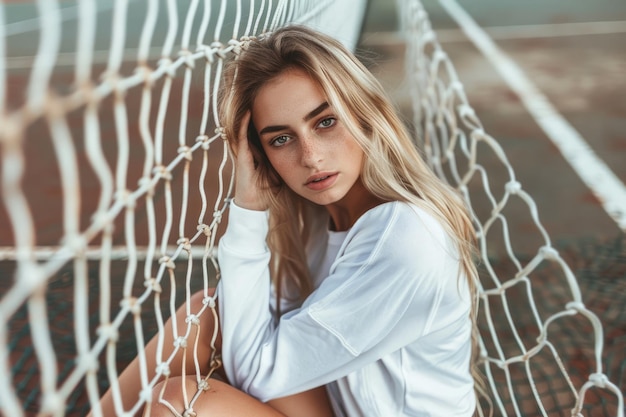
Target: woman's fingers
246	191
242	138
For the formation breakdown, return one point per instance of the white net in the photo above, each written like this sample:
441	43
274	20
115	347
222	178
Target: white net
531	314
115	181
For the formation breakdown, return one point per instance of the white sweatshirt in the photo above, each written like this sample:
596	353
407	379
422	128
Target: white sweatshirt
387	328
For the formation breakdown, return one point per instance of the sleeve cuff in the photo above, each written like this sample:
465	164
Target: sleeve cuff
246	231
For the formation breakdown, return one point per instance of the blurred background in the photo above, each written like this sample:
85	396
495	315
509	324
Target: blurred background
574	52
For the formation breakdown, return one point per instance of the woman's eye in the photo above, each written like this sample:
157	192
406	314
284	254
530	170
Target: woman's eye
328	122
279	141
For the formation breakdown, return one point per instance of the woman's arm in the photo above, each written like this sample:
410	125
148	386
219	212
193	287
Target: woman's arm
311	403
365	309
382	293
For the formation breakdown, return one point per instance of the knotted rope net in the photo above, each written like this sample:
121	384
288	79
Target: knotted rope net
541	347
116	179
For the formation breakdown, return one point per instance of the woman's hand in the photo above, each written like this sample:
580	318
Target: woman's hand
246	188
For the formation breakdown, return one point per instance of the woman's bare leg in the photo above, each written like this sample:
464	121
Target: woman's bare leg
223	400
219	400
313	403
129	380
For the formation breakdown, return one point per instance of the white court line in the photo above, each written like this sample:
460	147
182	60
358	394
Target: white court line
94	253
602	182
550	30
558	29
553	30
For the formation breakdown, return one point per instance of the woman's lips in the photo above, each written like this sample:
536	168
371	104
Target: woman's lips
321	181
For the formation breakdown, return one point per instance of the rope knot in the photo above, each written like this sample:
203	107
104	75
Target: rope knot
204	229
188	58
108	332
111	78
496	211
575	305
218	48
548	252
185	151
132	304
216	362
193	319
162	172
146	182
222	132
203	385
180	341
245	42
145	73
100	219
599	380
76	243
146	394
209	301
208	53
186	244
166	63
52	404
206	144
126	198
163	368
153	284
237	46
88	363
513	187
167	261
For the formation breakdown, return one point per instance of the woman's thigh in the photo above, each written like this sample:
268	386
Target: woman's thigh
219	399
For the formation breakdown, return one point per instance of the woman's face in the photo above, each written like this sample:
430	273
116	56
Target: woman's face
307	145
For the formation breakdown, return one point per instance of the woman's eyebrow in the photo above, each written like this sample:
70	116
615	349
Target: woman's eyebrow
272	129
309	116
316	111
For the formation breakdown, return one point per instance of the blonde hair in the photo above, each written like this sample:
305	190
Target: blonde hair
393	169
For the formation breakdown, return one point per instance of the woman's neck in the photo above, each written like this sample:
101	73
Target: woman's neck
344	213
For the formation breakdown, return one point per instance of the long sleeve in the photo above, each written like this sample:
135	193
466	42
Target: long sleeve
394	281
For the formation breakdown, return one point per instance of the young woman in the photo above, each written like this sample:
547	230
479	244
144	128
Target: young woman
347	282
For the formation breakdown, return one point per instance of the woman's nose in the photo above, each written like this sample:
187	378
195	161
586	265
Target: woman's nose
311	152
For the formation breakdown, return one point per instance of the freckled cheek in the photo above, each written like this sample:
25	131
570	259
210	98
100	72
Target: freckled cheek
348	146
357	157
339	142
282	163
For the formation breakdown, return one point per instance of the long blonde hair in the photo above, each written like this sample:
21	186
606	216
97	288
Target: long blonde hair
393	170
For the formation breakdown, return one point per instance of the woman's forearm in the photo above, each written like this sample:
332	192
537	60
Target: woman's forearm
311	403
